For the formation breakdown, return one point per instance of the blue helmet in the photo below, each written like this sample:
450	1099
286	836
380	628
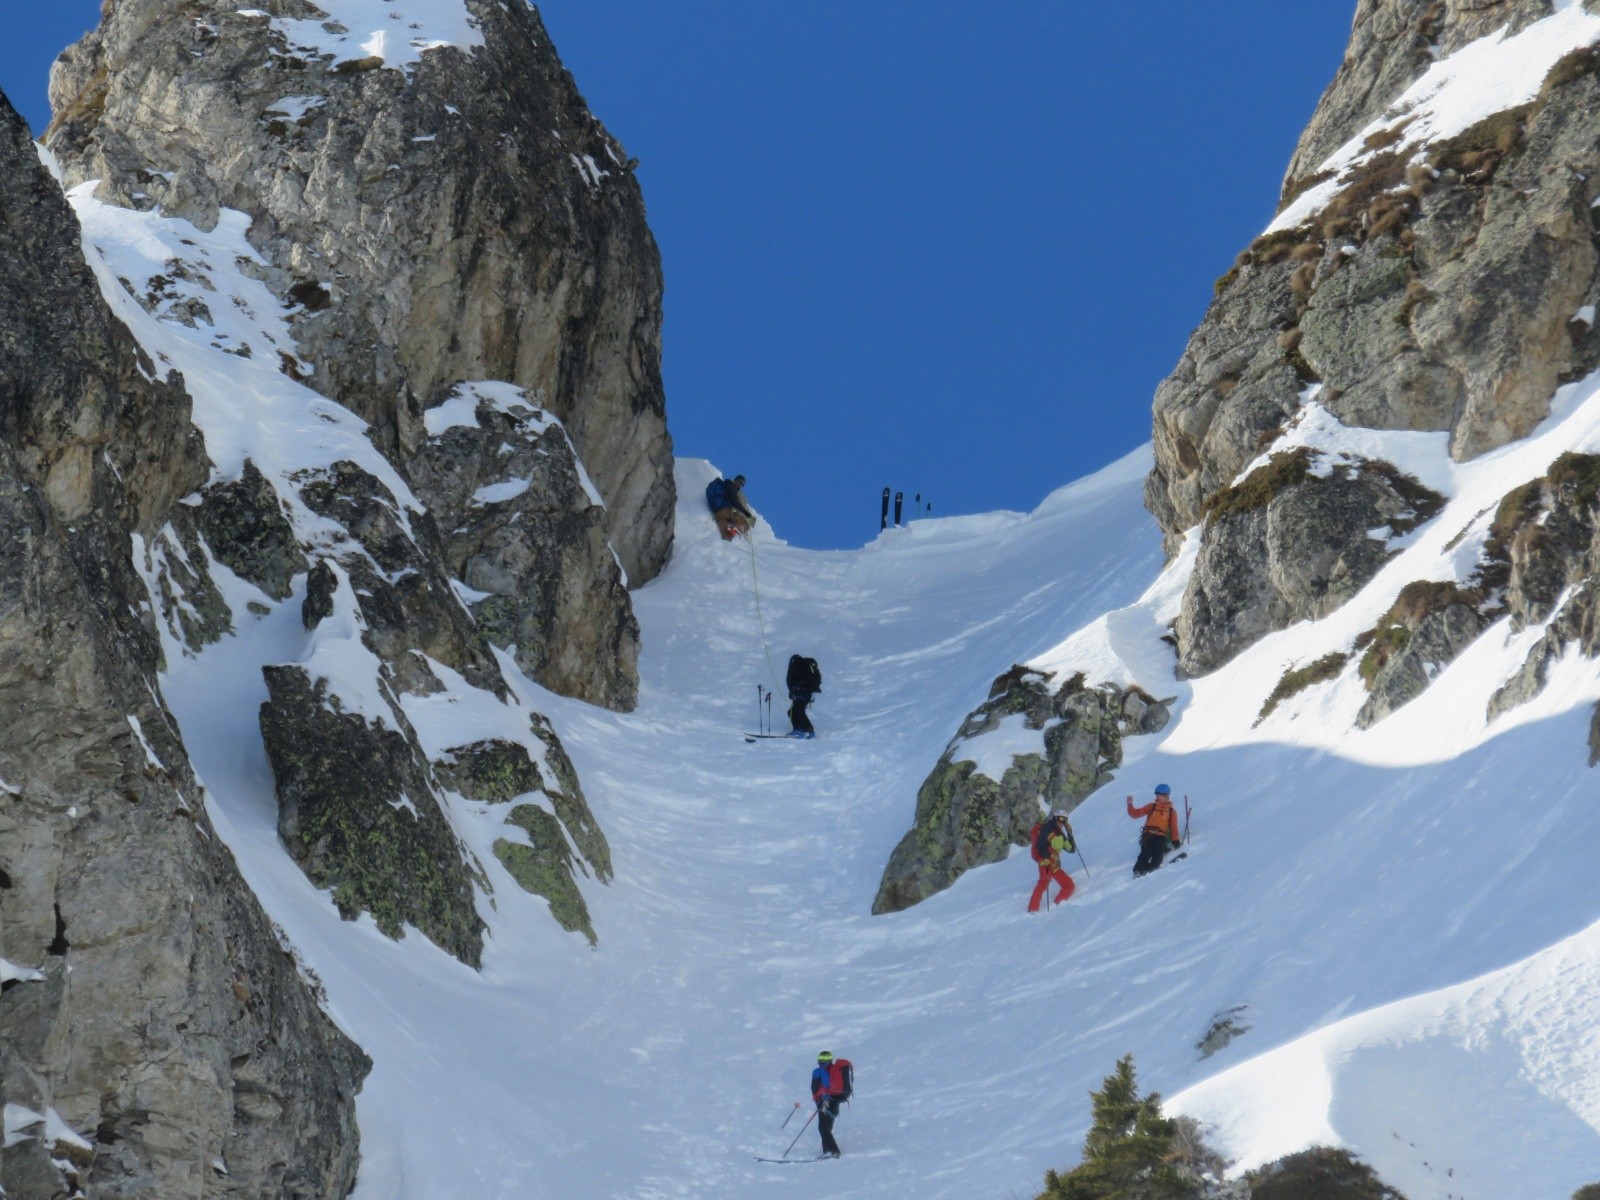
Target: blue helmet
1163	790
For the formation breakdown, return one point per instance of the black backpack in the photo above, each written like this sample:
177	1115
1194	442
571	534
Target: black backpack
804	674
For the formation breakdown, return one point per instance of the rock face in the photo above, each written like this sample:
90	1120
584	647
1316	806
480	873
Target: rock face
1391	43
1426	628
522	529
457	217
966	818
1375	303
359	814
1549	533
154	1031
495	771
1287	544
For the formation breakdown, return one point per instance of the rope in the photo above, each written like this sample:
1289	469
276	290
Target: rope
755	585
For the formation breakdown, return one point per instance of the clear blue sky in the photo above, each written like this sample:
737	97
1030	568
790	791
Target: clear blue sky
946	247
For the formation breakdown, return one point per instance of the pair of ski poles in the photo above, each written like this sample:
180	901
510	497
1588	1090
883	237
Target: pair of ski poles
803	1127
763	699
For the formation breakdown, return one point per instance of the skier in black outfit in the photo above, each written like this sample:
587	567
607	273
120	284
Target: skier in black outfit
804	680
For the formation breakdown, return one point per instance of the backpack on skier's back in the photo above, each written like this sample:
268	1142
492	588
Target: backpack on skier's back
804	675
841	1078
1039	839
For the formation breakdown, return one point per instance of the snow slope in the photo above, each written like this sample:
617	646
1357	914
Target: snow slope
1352	905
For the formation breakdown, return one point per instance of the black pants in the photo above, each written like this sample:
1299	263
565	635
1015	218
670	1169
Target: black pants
797	711
826	1112
1152	849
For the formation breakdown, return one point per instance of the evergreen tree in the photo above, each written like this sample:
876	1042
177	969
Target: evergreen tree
1131	1150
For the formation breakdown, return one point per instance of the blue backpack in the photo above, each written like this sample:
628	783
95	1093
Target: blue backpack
717	495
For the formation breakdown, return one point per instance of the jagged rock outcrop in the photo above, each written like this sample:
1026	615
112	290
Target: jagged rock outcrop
1295	539
966	818
524	533
1426	628
1549	534
358	812
1379	294
496	771
155	1033
409	612
1391	43
460	217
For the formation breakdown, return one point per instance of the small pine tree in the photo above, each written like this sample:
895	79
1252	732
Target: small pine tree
1589	1191
1131	1150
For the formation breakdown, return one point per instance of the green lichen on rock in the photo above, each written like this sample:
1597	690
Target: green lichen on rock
244	525
494	771
357	811
543	866
964	818
566	796
1384	643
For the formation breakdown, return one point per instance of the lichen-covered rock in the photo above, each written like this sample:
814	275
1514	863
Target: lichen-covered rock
358	812
542	864
493	770
522	528
245	527
158	1017
965	818
1287	544
464	217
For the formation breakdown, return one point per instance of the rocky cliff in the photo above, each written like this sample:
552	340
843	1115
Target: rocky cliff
1433	267
156	1034
433	205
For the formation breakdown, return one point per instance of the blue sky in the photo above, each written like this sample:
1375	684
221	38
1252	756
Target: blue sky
944	247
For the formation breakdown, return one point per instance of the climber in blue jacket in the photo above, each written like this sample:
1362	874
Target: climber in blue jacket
725	498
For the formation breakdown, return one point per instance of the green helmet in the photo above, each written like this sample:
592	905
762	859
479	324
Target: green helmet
825	1057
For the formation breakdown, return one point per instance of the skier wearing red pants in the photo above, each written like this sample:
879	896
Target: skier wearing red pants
1050	838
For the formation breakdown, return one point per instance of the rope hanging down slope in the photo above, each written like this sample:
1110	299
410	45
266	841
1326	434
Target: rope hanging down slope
755	586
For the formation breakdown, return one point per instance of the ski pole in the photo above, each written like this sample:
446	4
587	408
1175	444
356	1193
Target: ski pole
790	1117
1186	819
802	1130
1079	853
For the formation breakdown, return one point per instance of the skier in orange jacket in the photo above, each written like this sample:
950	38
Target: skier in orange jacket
1160	830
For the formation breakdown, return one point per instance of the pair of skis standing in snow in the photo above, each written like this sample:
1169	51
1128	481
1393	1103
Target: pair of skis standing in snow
1052	837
